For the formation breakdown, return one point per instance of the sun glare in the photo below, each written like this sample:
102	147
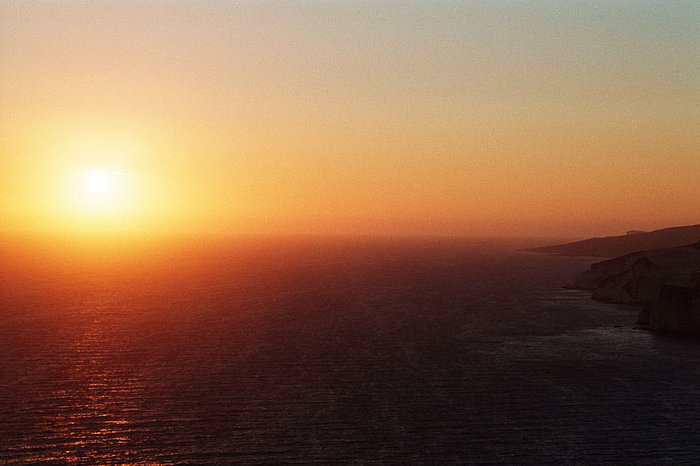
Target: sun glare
98	181
100	185
105	198
102	191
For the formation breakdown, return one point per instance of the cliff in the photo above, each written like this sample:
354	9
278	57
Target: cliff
614	246
639	277
676	311
666	281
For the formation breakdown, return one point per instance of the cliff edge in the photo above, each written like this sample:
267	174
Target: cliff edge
676	311
666	281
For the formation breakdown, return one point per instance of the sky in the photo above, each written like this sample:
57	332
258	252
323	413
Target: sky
508	118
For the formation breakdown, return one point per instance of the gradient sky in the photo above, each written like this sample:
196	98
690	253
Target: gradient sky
479	118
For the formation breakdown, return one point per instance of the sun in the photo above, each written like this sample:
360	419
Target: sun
101	184
102	191
105	199
98	181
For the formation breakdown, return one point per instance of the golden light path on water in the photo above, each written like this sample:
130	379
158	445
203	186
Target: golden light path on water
100	407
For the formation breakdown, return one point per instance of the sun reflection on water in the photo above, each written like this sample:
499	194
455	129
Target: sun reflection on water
100	417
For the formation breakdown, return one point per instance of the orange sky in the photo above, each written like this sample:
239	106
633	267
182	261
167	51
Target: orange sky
475	118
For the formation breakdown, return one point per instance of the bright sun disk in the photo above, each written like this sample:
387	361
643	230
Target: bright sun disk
98	181
103	190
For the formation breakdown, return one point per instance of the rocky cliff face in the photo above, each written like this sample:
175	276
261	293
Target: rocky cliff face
639	277
676	311
666	281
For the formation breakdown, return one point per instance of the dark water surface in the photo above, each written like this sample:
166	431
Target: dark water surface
333	351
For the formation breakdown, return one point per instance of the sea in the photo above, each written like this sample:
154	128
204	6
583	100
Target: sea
328	350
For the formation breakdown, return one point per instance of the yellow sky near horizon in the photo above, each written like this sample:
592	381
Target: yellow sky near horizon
478	118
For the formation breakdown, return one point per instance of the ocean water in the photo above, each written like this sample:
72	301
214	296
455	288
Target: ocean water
330	351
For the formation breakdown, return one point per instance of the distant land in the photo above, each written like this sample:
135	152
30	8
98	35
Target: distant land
633	241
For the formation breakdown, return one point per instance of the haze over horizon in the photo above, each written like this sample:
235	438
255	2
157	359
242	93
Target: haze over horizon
476	118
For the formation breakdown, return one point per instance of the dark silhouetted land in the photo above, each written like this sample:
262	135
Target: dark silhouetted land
613	246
